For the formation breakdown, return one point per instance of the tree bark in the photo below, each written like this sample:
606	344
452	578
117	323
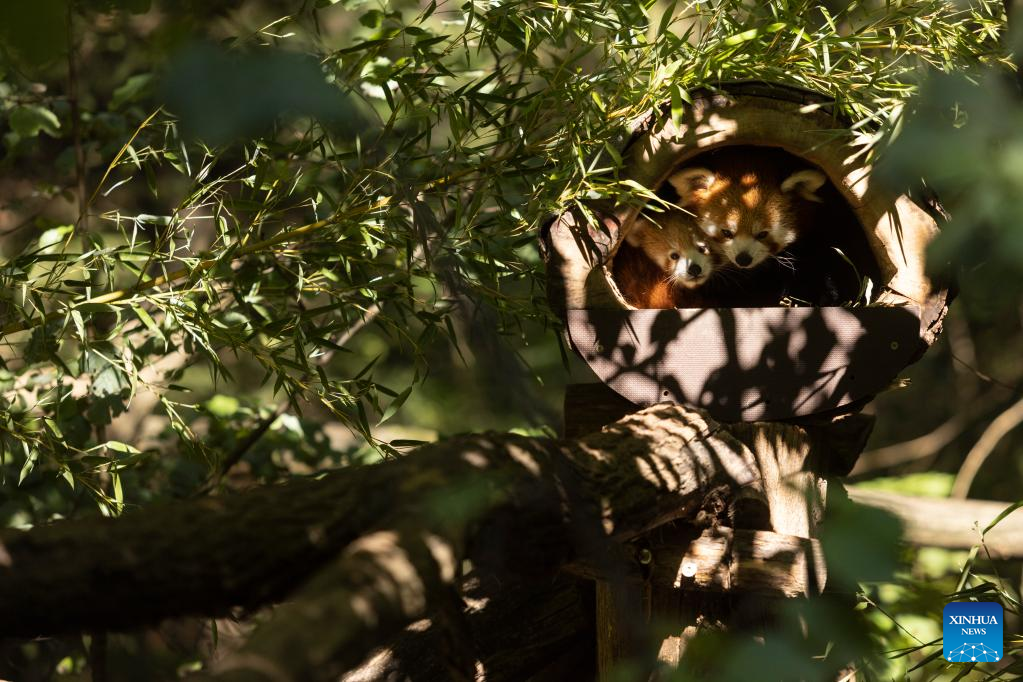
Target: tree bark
534	630
373	548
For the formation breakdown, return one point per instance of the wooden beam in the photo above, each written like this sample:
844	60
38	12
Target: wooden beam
753	561
769	554
591	406
721	559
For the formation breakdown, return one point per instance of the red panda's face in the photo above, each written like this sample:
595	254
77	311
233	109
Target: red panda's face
749	222
750	216
676	246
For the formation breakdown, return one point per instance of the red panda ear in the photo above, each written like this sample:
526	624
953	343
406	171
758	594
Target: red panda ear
805	183
689	181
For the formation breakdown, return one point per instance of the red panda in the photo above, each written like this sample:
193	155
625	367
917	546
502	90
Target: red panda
662	264
750	203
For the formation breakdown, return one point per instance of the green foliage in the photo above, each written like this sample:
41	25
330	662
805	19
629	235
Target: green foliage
218	94
34	32
977	168
859	543
29	121
924	484
319	201
478	123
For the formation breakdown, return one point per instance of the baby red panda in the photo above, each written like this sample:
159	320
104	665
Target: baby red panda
661	265
751	203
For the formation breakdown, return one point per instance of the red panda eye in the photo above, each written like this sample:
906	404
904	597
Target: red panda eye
727	234
762	234
674	256
702	248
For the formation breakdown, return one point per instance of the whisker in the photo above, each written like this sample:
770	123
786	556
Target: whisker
785	261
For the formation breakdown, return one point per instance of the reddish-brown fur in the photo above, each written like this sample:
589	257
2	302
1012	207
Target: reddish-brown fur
643	284
738	197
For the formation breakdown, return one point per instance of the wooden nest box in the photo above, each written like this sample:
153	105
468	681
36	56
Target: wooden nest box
745	358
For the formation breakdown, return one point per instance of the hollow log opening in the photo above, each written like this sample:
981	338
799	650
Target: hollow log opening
814	249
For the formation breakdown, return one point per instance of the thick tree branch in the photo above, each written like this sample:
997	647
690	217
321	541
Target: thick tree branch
535	630
518	503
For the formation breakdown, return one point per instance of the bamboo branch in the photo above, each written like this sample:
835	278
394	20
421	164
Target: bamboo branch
180	273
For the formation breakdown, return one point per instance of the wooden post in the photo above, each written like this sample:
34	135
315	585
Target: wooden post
729	564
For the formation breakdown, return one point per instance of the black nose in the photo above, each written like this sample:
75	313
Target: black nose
743	260
694	270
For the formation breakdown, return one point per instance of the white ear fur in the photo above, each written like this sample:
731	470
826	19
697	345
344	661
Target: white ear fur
805	183
690	180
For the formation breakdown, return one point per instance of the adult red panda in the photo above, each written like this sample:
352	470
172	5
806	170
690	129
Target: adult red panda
749	201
